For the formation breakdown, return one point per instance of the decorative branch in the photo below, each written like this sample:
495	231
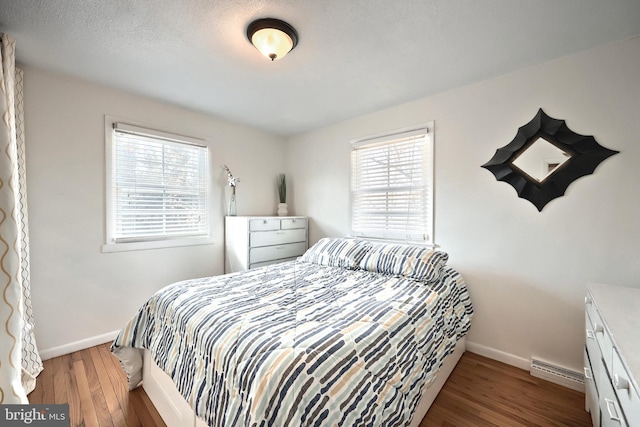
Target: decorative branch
231	180
282	188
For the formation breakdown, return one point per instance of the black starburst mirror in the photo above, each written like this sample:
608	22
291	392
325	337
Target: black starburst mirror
544	158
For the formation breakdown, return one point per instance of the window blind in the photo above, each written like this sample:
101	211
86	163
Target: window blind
391	188
159	188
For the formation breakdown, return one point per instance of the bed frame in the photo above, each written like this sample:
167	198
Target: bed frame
176	412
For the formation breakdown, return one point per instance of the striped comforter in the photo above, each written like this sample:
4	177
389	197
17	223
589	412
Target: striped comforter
299	344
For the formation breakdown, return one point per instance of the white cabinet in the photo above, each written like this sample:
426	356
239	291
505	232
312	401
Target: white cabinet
612	355
254	241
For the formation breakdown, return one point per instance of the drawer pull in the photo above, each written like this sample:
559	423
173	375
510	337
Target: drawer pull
587	299
590	334
280	232
587	373
597	328
610	403
620	383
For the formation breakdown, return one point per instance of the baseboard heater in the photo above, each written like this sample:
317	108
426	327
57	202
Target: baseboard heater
556	374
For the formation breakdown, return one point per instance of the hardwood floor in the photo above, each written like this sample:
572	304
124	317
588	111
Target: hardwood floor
479	392
92	382
483	392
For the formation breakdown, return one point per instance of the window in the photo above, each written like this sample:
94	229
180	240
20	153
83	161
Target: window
157	189
392	186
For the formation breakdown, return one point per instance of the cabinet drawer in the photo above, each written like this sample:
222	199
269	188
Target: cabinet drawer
264	224
267	238
591	392
602	335
288	224
268	253
595	355
610	412
273	261
626	393
590	309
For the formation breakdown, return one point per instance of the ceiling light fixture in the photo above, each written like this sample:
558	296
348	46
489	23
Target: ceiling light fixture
272	37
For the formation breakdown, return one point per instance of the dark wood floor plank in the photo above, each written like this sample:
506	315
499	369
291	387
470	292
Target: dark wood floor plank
72	391
120	387
113	405
144	411
60	384
48	382
157	419
84	392
97	393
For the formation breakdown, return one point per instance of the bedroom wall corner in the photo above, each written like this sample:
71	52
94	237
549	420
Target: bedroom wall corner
79	293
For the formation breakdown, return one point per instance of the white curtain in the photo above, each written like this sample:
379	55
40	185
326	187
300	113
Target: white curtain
20	362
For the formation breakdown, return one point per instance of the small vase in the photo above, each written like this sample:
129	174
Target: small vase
232	204
282	209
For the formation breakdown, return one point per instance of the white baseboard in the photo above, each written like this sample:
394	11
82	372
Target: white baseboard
61	350
500	356
573	382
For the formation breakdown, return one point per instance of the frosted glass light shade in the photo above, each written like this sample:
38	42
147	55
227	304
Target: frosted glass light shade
272	37
272	43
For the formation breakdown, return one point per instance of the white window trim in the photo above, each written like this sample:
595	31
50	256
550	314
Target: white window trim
110	244
428	128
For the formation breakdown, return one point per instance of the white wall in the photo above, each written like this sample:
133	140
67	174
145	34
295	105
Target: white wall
526	269
79	292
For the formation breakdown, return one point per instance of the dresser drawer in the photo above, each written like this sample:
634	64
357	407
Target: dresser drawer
612	314
269	253
590	309
291	223
255	241
271	262
264	224
611	414
591	392
279	237
602	335
595	355
626	393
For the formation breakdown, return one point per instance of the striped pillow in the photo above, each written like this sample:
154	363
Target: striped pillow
337	252
416	262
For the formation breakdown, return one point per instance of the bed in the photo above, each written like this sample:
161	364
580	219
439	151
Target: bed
352	333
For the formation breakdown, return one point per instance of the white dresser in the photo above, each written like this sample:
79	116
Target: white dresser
612	355
254	241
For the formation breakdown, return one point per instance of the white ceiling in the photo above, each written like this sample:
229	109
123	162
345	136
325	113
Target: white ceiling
353	57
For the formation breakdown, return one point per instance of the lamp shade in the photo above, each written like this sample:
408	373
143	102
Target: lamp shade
272	37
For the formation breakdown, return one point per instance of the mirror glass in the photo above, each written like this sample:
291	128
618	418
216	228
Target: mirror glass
541	159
